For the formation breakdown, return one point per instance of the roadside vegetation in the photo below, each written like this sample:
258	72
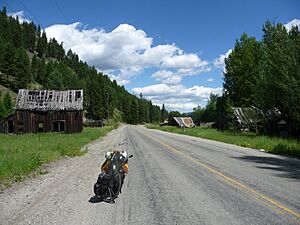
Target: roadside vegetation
274	145
22	154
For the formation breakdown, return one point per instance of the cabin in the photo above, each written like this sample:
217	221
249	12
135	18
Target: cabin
182	122
45	111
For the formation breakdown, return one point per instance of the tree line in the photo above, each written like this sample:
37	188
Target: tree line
29	60
264	74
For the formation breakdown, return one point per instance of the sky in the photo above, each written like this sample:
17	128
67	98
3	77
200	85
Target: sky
171	51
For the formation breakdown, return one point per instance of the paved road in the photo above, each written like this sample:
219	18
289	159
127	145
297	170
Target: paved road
173	179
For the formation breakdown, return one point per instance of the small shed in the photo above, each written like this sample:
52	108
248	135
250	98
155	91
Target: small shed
46	111
7	124
182	122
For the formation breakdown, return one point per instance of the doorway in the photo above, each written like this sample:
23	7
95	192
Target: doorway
10	127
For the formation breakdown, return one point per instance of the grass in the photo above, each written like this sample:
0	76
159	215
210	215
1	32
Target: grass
274	145
22	154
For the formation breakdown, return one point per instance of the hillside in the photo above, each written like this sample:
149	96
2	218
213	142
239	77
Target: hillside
29	60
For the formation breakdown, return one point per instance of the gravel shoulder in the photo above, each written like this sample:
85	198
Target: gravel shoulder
50	198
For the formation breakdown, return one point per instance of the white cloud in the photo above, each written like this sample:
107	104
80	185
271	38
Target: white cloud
183	61
125	50
167	77
20	15
220	62
210	80
290	24
177	97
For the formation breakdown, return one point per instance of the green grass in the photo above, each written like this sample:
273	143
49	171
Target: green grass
22	154
270	144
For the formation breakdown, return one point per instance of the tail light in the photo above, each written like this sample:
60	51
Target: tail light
125	167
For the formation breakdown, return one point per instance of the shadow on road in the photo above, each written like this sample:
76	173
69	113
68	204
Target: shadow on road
96	199
289	168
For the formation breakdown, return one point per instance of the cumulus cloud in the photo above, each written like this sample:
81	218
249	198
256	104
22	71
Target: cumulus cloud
292	23
220	62
167	77
20	15
125	50
177	97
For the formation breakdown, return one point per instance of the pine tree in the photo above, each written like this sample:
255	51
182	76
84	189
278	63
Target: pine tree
34	67
4	11
164	113
23	72
134	112
7	104
41	47
29	30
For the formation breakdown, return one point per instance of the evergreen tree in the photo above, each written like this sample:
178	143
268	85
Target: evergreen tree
34	67
23	72
209	113
41	47
7	104
4	11
224	114
164	113
29	35
134	112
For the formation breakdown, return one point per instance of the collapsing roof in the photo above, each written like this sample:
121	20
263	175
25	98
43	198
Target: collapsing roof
251	115
184	121
246	115
44	100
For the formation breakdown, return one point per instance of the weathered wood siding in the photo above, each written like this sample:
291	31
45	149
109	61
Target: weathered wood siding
30	121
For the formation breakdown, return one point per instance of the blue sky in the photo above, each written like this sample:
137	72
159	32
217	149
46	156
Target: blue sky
171	51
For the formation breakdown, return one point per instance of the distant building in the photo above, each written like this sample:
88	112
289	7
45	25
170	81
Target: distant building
182	122
45	111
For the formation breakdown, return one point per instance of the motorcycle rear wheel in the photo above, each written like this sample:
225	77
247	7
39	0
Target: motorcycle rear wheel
113	188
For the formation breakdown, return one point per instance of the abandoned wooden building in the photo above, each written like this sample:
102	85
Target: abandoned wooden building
182	122
46	111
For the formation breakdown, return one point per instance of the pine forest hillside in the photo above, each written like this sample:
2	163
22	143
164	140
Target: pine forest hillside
29	60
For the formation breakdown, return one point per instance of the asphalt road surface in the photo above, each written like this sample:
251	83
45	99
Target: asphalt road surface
172	179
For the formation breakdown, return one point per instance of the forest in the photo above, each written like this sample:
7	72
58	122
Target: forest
263	74
29	60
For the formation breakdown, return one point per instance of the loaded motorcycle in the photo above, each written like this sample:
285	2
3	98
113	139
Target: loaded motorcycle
111	178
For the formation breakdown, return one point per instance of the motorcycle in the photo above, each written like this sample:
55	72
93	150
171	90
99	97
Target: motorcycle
111	179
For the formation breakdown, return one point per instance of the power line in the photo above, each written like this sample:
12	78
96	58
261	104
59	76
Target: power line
27	9
61	11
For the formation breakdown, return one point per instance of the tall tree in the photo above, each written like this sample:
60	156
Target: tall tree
41	47
164	113
134	112
242	71
7	104
23	72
